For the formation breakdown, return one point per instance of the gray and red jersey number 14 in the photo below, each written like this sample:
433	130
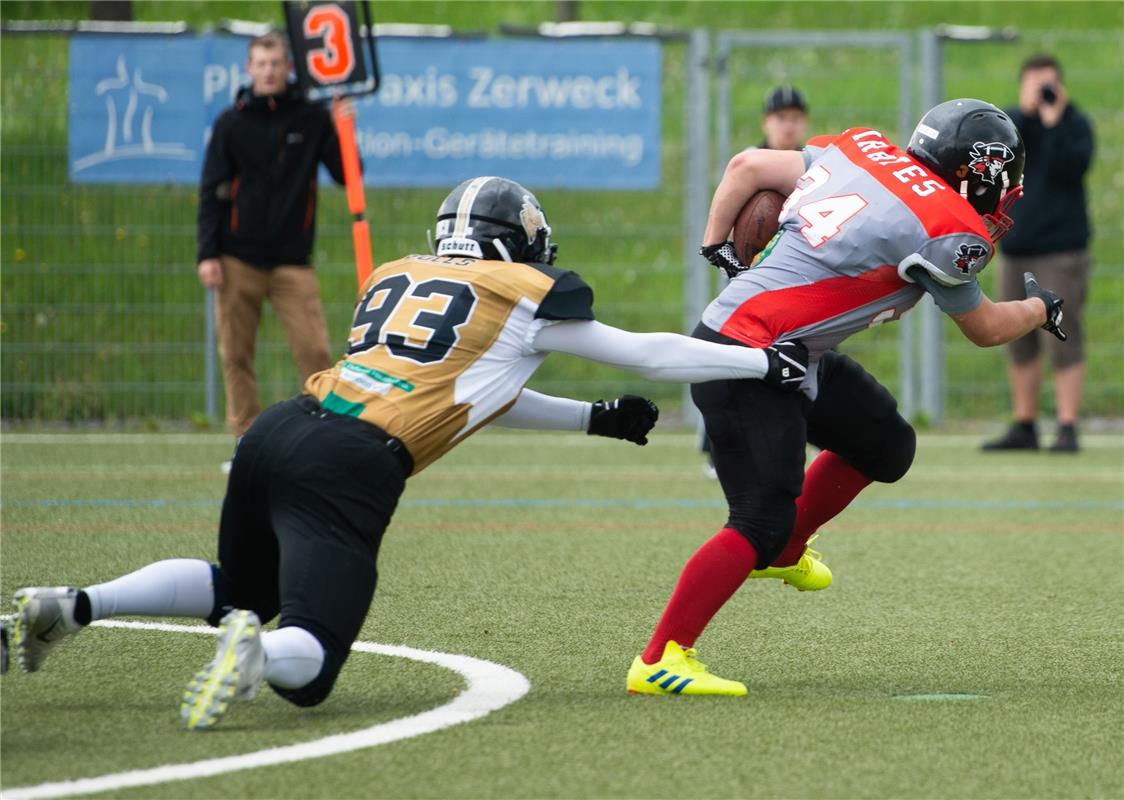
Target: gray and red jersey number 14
824	218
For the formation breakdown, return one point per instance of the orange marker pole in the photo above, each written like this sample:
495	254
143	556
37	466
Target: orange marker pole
356	200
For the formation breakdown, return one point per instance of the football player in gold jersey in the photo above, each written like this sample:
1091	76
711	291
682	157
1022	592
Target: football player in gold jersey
440	346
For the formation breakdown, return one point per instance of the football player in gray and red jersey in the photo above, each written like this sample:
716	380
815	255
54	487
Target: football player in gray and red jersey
866	231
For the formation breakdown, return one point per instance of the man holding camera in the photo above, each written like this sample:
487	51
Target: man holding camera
1051	239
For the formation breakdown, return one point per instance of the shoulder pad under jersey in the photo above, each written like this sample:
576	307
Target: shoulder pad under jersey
951	259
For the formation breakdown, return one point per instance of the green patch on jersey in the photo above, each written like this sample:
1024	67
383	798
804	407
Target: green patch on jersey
757	259
337	405
380	376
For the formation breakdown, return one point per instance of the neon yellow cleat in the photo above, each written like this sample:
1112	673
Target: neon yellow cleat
678	672
809	574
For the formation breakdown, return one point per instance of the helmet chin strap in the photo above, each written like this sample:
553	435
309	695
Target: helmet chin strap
506	256
429	241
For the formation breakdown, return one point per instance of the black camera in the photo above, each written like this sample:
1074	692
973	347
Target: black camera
1049	96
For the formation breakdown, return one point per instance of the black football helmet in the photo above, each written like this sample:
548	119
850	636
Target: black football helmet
495	219
976	149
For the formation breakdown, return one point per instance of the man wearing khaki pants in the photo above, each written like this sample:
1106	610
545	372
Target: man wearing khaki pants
1050	239
257	217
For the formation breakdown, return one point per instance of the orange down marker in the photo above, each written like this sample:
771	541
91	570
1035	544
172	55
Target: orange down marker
356	199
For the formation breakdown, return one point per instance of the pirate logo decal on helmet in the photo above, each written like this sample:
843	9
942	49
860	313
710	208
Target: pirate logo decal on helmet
967	256
532	218
988	160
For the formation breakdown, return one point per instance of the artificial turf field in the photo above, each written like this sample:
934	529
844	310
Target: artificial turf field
998	578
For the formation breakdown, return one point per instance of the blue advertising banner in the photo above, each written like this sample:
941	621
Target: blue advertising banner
577	114
141	107
546	113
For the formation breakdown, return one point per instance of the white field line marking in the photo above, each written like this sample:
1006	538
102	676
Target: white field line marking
490	687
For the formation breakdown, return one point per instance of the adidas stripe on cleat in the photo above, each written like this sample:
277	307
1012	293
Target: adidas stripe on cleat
673	683
235	673
678	672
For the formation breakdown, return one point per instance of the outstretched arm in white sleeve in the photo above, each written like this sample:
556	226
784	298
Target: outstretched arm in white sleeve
673	358
628	417
545	413
656	356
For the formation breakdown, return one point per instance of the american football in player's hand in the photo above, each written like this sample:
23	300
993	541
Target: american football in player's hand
757	224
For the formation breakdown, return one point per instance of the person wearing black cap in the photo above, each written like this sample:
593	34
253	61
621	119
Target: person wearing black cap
785	123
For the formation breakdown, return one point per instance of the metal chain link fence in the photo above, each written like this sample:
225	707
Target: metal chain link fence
103	317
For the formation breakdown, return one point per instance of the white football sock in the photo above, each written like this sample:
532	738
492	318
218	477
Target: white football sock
293	657
177	587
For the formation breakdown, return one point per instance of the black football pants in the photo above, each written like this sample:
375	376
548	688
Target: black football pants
758	436
309	497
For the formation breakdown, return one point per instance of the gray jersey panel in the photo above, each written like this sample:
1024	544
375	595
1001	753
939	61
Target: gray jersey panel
955	258
958	299
839	265
811	153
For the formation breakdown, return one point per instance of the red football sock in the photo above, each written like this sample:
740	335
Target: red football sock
709	579
830	484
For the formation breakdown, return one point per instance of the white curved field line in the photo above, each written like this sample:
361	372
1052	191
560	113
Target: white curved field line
490	687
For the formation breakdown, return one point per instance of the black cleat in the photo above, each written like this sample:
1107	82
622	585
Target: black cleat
1066	441
1020	436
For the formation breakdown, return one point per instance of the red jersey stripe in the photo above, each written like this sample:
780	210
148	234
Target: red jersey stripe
763	318
942	211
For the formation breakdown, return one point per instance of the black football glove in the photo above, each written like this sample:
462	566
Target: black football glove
788	364
1053	305
722	255
628	417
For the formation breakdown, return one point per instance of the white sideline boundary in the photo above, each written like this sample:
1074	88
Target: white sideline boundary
490	687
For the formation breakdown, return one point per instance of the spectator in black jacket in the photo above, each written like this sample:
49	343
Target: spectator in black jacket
257	220
1050	239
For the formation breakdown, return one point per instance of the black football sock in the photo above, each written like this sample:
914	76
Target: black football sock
83	614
